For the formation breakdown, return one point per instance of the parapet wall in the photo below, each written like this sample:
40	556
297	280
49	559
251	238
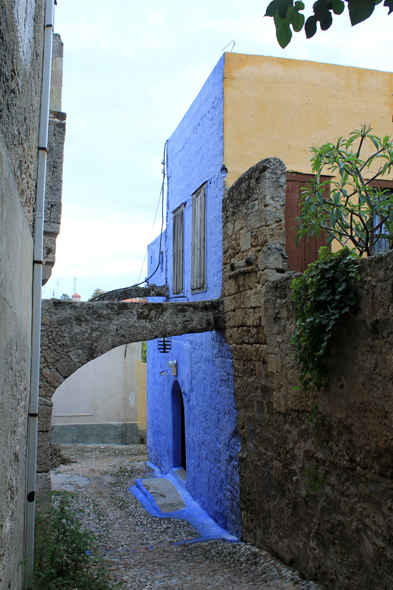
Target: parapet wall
339	532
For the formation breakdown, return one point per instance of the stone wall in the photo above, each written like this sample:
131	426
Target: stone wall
21	42
54	170
341	534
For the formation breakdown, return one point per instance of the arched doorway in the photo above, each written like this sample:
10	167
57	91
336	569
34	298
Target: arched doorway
178	427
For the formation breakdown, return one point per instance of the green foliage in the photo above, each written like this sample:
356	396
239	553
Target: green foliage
97	293
286	13
323	295
314	482
347	207
65	297
317	419
65	555
144	351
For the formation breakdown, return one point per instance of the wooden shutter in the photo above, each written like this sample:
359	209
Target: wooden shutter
307	250
198	240
178	250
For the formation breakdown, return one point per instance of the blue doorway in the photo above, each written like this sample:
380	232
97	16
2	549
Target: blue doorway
178	427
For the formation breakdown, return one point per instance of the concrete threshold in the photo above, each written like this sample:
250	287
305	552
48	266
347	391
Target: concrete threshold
165	497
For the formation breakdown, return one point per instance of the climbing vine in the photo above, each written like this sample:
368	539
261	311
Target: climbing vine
324	294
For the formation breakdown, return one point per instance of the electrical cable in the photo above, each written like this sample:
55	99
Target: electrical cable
162	194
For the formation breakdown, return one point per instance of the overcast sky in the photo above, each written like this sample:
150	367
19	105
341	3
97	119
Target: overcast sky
131	70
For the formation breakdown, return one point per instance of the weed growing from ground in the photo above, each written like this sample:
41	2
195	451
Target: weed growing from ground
66	556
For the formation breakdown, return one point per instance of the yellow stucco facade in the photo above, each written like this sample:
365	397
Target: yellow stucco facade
276	107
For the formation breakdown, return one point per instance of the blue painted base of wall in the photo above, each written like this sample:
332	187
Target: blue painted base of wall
192	513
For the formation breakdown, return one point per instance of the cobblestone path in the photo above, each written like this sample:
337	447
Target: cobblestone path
141	547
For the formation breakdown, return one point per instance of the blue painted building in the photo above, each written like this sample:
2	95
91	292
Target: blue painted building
250	108
192	421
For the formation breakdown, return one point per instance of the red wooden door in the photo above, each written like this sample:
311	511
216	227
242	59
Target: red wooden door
307	250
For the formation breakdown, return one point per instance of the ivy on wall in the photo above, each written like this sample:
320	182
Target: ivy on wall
324	294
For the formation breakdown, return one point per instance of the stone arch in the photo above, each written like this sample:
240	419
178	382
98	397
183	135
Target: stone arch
72	334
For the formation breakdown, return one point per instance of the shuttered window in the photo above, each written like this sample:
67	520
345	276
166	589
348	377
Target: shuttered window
198	240
178	250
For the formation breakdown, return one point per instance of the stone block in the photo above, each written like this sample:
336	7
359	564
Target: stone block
43	452
43	489
44	414
273	257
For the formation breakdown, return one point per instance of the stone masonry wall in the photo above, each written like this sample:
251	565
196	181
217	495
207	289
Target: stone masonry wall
342	533
54	169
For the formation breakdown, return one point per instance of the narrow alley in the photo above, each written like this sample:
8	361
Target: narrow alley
143	550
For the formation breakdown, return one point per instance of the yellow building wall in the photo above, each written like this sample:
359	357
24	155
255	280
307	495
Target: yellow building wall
276	107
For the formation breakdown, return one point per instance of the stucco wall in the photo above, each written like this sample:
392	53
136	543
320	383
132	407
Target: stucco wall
341	534
212	440
281	107
21	27
104	401
195	156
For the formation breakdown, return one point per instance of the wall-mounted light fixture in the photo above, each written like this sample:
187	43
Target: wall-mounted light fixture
173	365
164	344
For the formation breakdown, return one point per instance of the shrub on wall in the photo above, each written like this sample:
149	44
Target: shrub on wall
352	211
323	294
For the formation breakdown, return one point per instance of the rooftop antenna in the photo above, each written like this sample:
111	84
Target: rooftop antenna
74	284
229	45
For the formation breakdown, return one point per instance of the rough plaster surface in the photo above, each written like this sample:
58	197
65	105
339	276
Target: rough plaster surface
342	534
212	440
21	40
75	333
21	27
195	155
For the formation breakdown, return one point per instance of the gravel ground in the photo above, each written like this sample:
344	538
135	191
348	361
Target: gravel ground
140	547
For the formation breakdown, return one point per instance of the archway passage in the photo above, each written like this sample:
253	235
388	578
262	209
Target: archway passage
73	334
178	427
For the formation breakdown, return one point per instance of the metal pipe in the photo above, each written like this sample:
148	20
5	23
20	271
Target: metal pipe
32	427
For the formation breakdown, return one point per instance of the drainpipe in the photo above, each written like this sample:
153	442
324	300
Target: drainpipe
37	283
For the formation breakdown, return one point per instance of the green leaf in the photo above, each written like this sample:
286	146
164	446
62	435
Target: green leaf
360	10
278	6
311	27
297	19
283	30
326	20
389	4
338	6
